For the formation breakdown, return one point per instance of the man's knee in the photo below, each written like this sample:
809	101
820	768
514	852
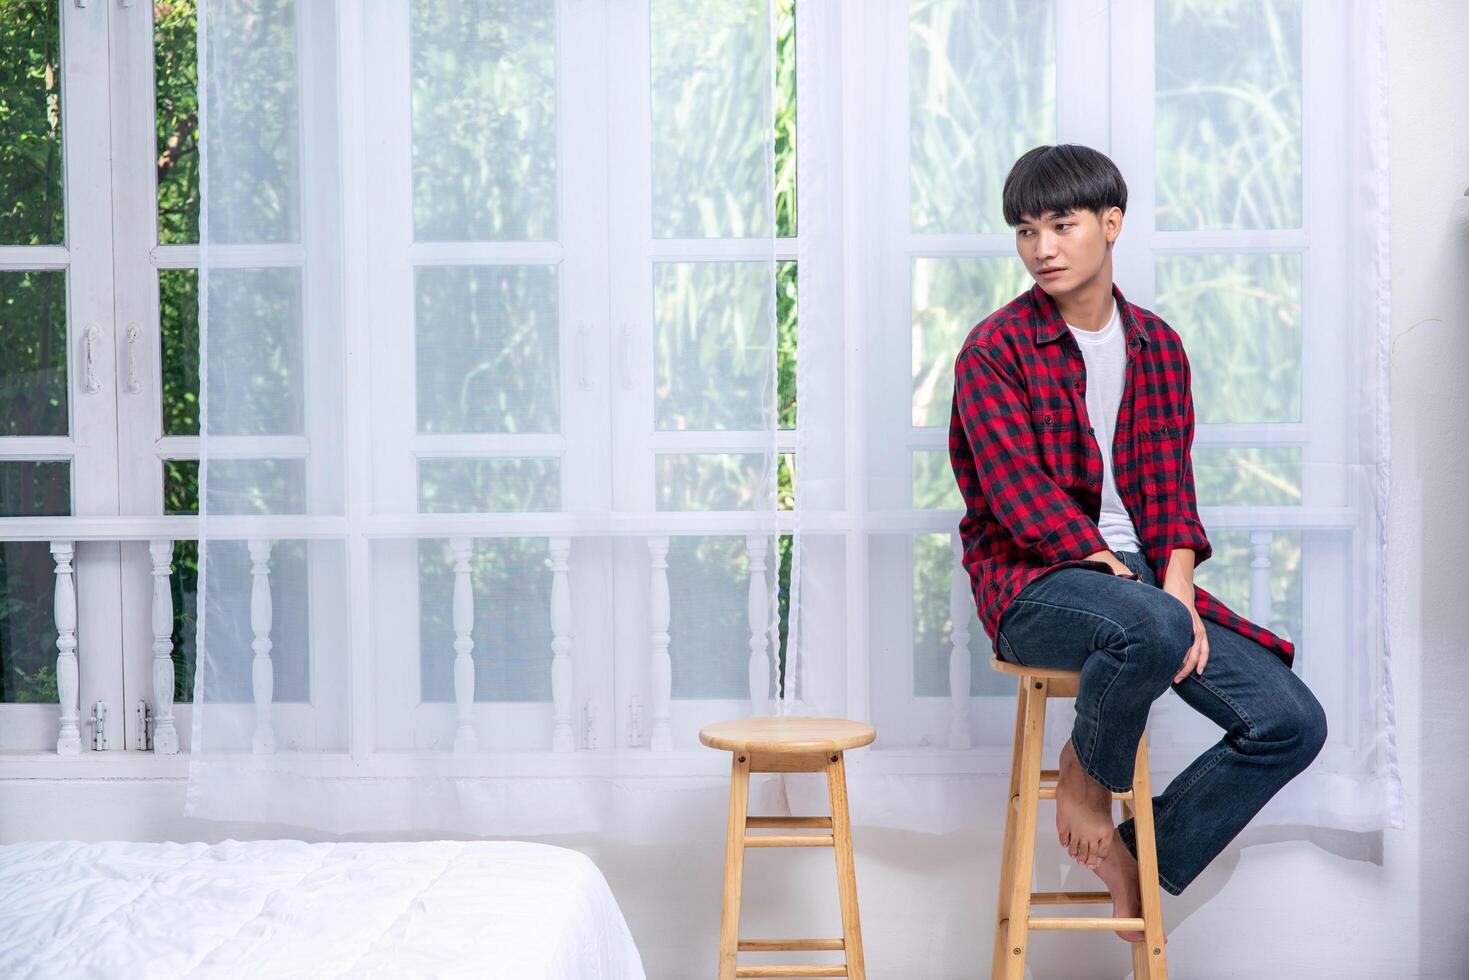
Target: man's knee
1162	633
1301	722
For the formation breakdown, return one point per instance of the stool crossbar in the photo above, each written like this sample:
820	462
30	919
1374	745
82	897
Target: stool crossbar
788	744
1029	784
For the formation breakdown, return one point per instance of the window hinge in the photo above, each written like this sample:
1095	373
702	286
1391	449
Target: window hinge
634	721
99	726
145	726
589	725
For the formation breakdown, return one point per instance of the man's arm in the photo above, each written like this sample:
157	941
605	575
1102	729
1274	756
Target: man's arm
1187	531
995	418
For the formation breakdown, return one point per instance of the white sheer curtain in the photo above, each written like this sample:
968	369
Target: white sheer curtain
520	315
490	422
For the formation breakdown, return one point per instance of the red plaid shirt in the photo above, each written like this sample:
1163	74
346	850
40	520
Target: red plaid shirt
1030	470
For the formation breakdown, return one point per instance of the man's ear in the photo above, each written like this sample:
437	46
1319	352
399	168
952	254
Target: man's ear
1119	222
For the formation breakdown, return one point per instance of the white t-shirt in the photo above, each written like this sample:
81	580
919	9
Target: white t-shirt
1105	354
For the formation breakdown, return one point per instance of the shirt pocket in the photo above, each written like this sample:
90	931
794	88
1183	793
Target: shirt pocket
1058	436
1160	450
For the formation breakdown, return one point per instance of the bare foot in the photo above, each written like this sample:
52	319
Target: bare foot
1083	812
1119	872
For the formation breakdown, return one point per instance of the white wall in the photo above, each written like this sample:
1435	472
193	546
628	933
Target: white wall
1276	904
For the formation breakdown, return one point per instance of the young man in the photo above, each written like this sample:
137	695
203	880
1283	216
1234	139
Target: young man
1070	438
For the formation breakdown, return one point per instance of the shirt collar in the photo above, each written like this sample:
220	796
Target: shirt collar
1049	324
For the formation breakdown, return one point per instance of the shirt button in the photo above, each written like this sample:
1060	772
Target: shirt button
1076	385
1089	429
1091	483
1048	420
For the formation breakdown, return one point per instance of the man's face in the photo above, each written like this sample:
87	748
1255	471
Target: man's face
1065	251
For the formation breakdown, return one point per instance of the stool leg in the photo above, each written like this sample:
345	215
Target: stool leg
1018	930
841	832
1148	957
734	864
1007	859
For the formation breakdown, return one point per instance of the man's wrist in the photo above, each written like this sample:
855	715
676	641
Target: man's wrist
1179	573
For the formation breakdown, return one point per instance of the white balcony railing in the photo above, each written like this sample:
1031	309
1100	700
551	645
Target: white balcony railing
462	530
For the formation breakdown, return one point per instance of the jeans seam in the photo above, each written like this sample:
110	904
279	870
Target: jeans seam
1239	712
1101	698
1129	839
1203	771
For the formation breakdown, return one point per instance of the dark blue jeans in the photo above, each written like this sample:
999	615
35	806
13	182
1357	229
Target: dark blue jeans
1128	639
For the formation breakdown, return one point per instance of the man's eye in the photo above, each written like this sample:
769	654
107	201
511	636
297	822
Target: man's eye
1064	224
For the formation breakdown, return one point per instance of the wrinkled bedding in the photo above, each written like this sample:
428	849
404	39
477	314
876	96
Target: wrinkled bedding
284	908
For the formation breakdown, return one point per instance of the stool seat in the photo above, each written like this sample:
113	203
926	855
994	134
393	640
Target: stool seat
776	735
1016	670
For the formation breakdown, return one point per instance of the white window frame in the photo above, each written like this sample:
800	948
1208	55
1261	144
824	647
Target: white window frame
579	256
91	443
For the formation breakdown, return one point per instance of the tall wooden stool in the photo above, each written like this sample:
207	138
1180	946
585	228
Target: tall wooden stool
788	744
1029	784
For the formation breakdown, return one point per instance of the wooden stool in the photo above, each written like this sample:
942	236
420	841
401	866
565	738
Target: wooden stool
1029	784
788	744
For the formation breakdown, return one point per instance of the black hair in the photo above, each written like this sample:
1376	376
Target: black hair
1062	178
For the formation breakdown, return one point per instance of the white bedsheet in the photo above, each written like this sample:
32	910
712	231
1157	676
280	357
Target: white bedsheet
285	908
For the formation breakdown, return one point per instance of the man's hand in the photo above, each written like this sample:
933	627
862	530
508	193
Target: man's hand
1119	567
1178	581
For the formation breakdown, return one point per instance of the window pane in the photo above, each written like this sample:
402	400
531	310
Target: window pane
981	91
255	353
511	579
949	297
33	353
184	583
488	351
27	622
178	320
712	111
457	486
787	334
484	120
709	617
181	485
176	94
934	486
712	345
256	486
711	481
1228	121
254	171
1240	476
227	629
933	565
785	118
1240	320
35	488
30	125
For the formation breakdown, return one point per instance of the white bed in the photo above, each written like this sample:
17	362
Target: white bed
286	908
